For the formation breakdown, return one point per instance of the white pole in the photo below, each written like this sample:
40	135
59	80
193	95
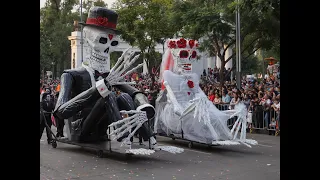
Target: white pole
238	51
81	41
239	39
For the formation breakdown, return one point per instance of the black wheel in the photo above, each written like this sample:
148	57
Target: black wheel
190	145
100	153
54	144
173	138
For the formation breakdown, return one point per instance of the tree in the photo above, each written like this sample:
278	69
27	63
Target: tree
144	23
56	24
214	20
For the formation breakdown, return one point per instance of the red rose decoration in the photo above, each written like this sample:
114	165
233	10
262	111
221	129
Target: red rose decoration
190	84
172	44
102	20
182	43
197	45
191	43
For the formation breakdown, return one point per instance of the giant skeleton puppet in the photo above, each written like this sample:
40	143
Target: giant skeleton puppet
85	98
182	108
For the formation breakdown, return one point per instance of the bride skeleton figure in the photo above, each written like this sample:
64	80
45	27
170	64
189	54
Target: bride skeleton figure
182	108
86	99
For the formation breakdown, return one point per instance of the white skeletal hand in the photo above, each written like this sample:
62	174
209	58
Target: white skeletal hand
136	120
117	73
200	107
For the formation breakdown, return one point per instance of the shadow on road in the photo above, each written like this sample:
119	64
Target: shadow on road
114	155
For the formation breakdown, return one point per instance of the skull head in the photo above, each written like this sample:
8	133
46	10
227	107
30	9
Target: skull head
184	54
101	43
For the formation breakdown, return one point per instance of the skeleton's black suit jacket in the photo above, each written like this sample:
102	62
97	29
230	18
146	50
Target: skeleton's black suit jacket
77	97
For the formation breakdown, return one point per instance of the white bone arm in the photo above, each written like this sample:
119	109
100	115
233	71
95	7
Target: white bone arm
176	106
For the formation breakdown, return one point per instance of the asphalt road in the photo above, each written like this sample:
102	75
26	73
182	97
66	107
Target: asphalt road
261	162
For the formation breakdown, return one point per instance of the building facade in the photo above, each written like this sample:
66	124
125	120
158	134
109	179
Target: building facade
204	62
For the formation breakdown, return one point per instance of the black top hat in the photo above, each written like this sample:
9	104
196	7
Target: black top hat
103	18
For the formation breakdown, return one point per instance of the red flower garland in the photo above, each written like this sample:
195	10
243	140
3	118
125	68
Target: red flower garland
172	44
191	43
182	43
190	84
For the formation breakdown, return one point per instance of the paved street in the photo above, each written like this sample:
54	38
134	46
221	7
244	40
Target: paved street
262	162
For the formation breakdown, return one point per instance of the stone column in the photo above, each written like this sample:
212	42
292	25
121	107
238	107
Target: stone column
75	39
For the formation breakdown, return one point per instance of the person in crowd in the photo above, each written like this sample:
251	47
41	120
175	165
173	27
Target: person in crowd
46	108
235	100
211	95
217	99
266	103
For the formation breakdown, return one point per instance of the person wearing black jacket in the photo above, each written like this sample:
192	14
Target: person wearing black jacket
47	106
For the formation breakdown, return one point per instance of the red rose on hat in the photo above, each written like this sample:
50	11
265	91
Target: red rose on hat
102	20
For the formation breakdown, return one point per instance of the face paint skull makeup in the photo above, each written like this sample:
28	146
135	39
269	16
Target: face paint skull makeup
101	43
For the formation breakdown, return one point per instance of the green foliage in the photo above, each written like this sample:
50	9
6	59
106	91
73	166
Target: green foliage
251	65
144	23
215	21
56	24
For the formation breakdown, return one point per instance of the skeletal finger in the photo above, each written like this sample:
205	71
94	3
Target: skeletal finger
132	122
130	112
134	131
130	56
130	63
126	59
121	128
125	131
119	76
124	62
119	60
123	120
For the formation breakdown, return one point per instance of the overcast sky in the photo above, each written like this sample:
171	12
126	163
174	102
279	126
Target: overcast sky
109	2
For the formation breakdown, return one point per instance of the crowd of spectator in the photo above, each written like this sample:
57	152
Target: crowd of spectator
52	84
260	95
